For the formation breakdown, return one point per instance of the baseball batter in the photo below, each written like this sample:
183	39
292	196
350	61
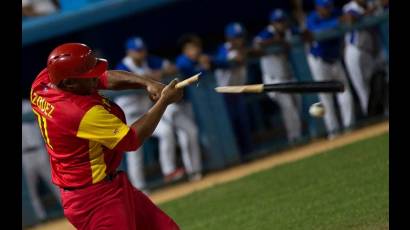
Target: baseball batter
324	59
86	134
135	105
362	51
275	69
35	162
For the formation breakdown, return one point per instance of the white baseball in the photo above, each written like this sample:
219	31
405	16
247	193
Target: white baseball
317	110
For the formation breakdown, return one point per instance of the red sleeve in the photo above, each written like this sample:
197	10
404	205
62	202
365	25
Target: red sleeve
103	81
129	142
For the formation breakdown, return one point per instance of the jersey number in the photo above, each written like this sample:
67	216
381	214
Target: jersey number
42	123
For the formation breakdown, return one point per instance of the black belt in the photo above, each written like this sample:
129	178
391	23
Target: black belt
109	177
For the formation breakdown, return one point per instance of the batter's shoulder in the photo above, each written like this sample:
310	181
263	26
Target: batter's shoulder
85	103
72	110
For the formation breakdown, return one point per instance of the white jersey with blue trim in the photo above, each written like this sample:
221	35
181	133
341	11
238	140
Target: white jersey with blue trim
233	75
135	105
365	39
274	65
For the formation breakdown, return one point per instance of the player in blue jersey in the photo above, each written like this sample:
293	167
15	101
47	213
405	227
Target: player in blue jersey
363	56
275	69
324	58
231	69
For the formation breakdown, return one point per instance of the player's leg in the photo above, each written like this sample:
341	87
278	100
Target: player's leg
287	103
167	146
134	159
115	205
142	212
187	134
135	168
31	174
345	99
290	116
322	71
182	138
111	215
357	70
102	206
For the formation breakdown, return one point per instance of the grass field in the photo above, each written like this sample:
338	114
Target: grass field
346	188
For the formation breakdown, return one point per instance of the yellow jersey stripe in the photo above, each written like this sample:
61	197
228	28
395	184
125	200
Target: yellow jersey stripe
46	133
98	166
101	126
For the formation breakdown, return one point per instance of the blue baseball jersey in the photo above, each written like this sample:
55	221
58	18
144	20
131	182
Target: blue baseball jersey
188	67
227	71
330	49
223	56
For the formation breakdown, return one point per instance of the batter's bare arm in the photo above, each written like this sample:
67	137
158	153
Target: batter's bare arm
146	125
120	80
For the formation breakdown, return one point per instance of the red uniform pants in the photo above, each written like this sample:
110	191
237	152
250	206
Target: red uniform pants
113	205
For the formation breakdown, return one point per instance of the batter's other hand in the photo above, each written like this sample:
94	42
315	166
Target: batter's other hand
170	94
154	89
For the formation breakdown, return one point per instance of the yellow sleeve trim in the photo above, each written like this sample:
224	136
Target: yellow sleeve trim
103	127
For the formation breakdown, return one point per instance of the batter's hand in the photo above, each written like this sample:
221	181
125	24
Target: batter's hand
154	89
170	94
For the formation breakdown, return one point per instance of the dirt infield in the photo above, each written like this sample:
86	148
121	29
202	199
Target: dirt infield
234	173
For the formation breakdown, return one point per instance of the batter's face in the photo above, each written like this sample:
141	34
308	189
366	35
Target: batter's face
80	86
137	56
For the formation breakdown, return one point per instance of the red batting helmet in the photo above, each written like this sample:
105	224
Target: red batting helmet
74	60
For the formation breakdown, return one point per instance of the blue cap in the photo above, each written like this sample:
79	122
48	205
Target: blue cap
324	3
135	43
277	15
234	30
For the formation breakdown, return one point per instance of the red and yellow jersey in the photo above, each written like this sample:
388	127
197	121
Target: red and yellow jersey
85	136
